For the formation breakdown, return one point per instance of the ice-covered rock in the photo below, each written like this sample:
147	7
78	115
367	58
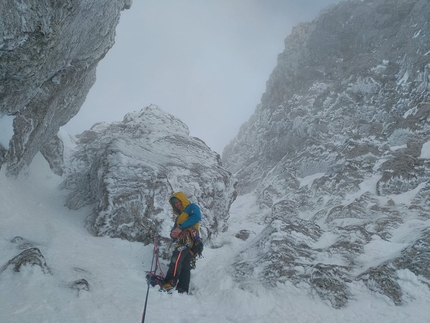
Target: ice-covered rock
340	141
128	171
49	51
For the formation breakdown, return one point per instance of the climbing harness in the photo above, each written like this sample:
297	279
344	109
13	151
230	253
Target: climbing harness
191	238
152	278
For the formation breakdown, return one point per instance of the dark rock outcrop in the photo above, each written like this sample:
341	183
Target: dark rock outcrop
31	257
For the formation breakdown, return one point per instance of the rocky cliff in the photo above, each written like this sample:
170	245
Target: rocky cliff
49	52
128	171
337	153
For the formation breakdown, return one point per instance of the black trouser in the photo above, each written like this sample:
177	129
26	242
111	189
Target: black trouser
180	268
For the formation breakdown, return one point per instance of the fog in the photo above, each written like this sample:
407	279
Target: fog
205	62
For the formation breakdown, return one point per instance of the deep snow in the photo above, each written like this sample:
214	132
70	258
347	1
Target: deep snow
32	207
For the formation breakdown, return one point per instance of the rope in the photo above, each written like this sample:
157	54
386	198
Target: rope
155	263
147	291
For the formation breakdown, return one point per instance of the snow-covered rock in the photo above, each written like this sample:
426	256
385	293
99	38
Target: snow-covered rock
30	256
338	148
49	51
129	170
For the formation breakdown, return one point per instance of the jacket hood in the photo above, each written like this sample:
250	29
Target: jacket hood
183	198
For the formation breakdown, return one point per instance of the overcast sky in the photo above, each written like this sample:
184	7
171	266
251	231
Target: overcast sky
205	62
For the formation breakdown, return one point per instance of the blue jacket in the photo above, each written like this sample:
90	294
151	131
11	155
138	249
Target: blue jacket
194	216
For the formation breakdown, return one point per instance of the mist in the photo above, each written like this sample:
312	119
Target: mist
205	62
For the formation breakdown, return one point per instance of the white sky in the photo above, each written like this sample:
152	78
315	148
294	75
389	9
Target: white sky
205	62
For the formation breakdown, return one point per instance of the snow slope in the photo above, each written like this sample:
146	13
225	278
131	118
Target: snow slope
32	207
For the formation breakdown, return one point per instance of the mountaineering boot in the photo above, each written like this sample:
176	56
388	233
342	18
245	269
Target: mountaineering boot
168	287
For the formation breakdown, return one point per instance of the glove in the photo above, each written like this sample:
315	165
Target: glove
175	233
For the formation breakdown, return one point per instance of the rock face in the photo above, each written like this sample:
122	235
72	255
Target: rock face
128	171
338	150
49	51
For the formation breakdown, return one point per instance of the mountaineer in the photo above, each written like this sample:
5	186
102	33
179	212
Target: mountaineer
185	232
